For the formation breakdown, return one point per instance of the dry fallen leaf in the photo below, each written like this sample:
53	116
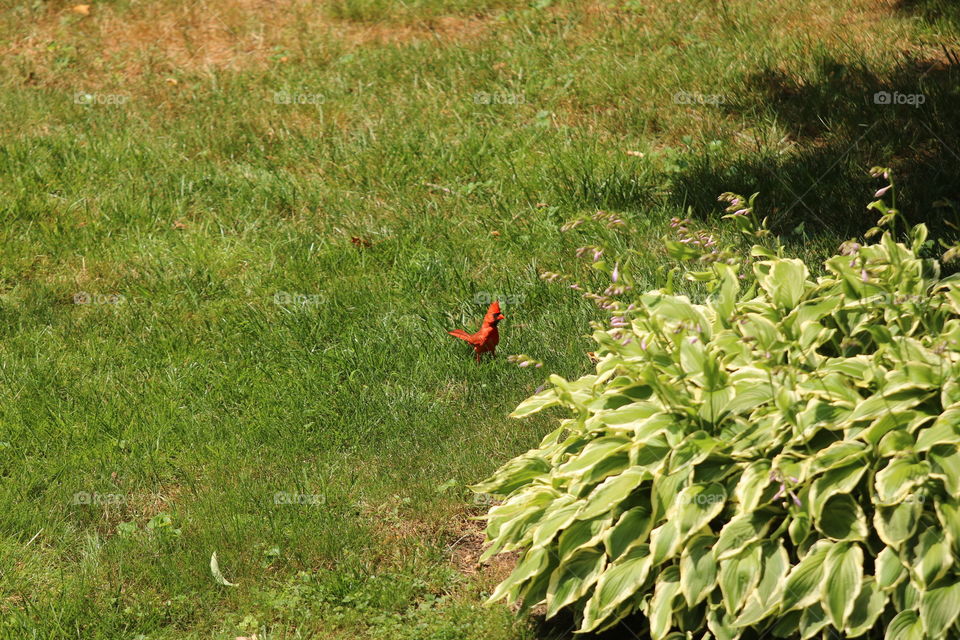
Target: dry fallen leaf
179	225
638	154
217	575
82	9
541	205
360	243
171	81
495	233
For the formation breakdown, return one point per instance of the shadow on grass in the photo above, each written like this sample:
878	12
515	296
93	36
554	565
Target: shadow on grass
634	627
841	121
945	12
563	625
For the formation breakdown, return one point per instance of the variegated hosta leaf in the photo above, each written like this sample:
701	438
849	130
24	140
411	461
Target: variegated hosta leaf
905	626
898	523
812	621
866	609
945	462
835	481
661	607
619	582
932	557
889	568
531	563
741	531
842	519
948	513
765	599
939	608
573	578
806	578
631	530
753	481
698	569
898	478
738	576
843	579
611	493
697	505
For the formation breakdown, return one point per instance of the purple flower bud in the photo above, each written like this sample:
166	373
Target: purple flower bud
880	192
849	248
616	272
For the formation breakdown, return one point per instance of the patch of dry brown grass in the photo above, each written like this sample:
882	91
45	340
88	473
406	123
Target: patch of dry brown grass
111	45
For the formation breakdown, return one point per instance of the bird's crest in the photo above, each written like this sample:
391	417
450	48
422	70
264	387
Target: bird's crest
493	313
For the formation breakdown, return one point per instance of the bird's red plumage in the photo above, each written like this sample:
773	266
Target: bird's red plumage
487	338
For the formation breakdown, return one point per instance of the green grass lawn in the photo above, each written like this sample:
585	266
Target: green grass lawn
196	358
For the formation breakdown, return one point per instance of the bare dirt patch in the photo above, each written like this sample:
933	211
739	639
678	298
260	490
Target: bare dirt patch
465	552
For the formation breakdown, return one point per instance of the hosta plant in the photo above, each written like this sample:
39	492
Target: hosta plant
782	457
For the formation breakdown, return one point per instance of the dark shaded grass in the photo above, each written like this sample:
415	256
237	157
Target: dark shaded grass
839	131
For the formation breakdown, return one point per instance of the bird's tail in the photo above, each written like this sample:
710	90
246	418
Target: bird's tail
460	333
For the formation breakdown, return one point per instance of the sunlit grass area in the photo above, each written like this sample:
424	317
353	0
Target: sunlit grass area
237	232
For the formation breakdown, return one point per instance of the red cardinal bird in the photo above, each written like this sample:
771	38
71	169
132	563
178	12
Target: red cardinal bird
487	338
